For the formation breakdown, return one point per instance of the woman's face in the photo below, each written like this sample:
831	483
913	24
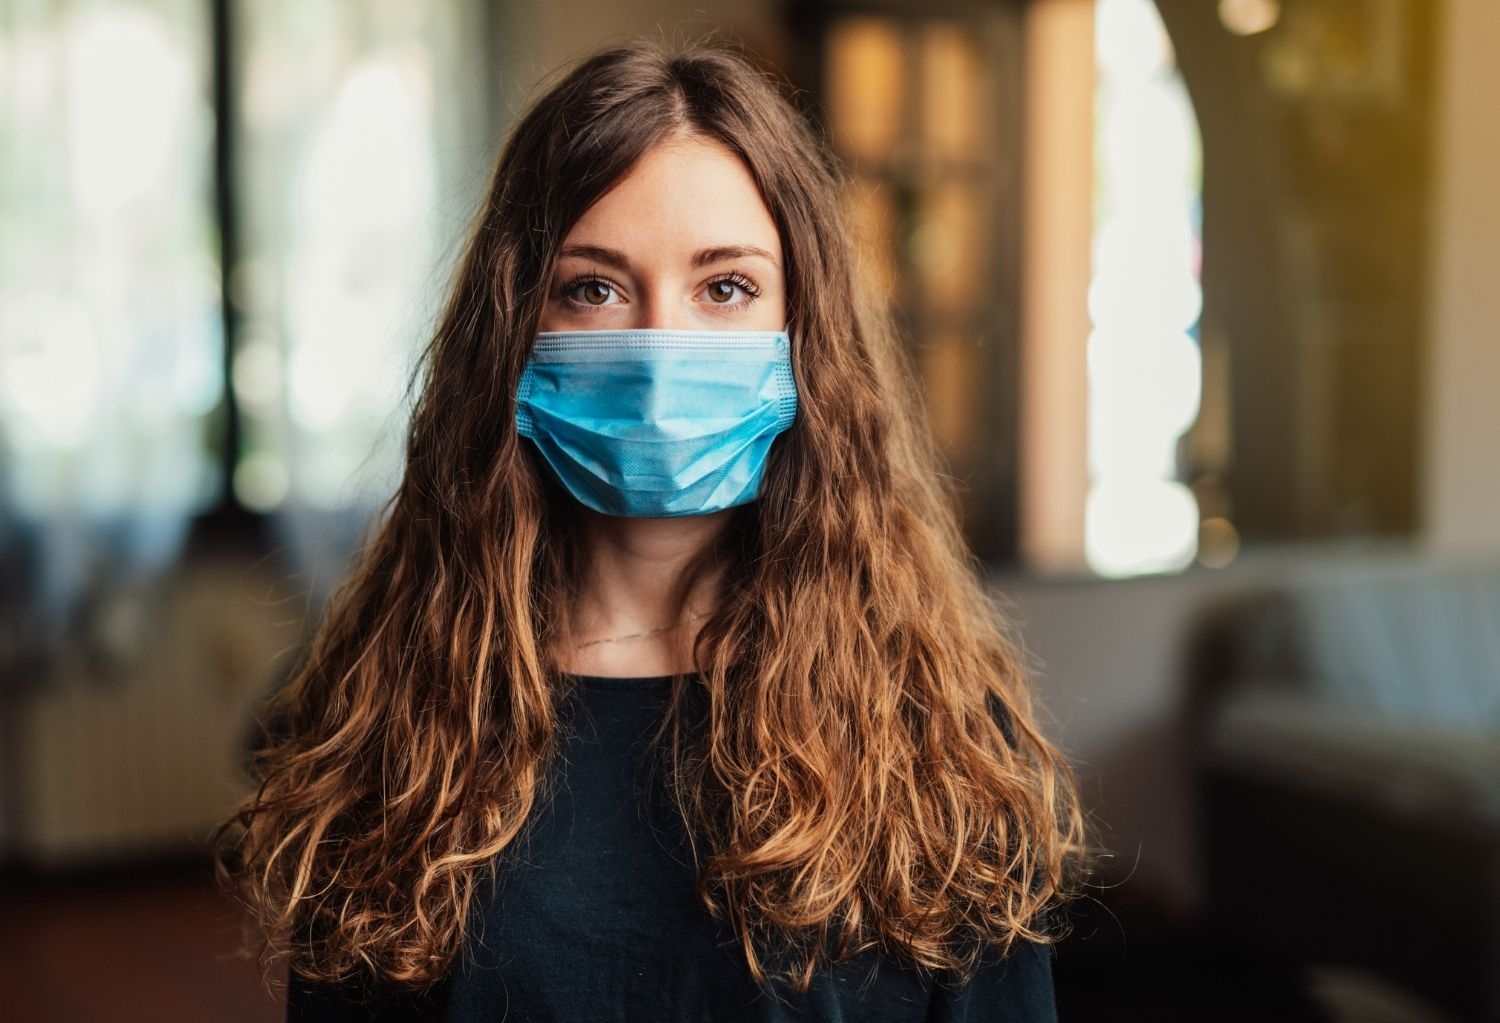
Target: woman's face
683	242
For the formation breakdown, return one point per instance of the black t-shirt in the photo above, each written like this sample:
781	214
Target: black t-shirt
595	917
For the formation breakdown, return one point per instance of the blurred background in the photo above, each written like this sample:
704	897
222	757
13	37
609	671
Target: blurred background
1201	294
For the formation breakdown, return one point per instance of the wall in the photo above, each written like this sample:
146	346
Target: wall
1057	240
1462	502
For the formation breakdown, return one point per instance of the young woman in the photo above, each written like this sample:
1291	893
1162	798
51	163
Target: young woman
664	689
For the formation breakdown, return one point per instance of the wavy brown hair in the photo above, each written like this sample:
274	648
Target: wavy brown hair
848	778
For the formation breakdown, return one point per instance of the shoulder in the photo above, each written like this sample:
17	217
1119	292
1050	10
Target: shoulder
1015	986
356	1001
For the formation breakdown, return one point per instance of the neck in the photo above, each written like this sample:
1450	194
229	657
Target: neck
635	581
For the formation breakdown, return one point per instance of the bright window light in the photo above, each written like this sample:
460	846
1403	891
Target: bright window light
1145	374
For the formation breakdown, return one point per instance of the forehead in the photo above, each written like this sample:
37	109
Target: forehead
686	194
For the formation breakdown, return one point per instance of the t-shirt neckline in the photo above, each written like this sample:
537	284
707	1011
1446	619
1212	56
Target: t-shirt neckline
624	681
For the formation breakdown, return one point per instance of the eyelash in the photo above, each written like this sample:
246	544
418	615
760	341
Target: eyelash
745	284
569	289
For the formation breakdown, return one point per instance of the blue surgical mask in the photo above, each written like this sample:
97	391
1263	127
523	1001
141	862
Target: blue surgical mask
657	423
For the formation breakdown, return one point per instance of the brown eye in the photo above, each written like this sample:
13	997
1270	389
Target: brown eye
596	292
732	291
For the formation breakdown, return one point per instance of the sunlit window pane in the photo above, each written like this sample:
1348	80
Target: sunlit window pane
352	178
1144	367
110	341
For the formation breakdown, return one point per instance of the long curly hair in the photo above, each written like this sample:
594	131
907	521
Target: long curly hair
865	769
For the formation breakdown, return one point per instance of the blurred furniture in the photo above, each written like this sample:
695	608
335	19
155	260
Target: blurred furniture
1347	747
136	759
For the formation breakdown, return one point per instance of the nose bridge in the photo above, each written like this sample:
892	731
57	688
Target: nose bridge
661	304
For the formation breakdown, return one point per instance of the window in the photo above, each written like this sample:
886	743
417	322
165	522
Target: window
227	227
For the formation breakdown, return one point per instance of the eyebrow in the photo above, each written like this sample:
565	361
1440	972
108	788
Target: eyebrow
703	257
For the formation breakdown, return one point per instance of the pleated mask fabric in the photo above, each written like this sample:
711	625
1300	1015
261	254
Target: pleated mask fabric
657	423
